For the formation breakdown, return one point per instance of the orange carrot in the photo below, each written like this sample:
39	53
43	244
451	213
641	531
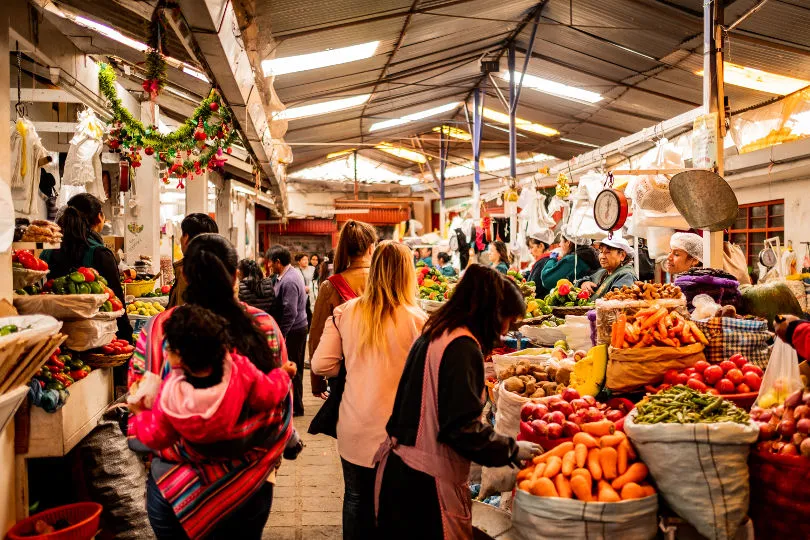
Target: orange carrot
538	472
525	474
621	458
630	334
543	487
648	490
697	333
559	451
563	486
607	461
653	319
631	452
614	335
525	485
635	473
569	462
584	438
553	467
631	490
607	493
612	440
600	428
581	453
584	473
581	488
620	329
593	464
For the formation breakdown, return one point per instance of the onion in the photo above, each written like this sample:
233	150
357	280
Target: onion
789	450
779	411
805	448
787	428
788	415
765	416
806	398
764	446
793	399
798	438
766	432
776	446
802	411
803	426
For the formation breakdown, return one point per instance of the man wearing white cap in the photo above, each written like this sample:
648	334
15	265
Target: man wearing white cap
685	252
538	244
616	271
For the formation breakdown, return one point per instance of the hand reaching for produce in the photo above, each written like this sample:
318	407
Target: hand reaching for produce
781	325
588	286
527	450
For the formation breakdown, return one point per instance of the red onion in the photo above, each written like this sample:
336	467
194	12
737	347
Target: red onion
779	411
793	399
798	438
802	411
805	448
570	429
787	428
764	446
555	431
766	432
789	450
803	426
806	398
776	446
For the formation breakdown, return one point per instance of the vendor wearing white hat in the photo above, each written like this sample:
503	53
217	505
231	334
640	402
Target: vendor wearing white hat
616	272
538	244
685	252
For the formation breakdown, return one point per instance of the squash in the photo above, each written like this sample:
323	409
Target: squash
768	300
588	376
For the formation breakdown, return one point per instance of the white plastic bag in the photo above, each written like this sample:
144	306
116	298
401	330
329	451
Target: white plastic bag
577	330
89	333
705	307
782	376
555	518
701	470
66	307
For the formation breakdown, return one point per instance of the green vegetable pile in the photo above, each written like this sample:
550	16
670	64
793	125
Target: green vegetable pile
682	405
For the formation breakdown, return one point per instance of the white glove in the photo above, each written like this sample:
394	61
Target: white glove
527	450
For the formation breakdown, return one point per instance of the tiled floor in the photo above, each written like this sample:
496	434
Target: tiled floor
308	497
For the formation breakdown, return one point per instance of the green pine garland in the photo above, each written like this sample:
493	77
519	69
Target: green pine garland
182	139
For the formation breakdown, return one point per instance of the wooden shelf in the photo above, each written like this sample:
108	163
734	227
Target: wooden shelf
9	402
34	245
55	434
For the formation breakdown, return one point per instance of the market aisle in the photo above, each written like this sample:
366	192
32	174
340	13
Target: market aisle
308	496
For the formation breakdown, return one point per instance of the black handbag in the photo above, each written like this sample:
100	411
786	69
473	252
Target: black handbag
325	421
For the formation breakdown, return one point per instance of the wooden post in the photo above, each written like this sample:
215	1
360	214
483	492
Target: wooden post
714	102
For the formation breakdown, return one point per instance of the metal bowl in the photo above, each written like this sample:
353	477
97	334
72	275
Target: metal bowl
704	199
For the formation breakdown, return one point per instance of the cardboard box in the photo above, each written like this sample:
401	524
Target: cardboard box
114	243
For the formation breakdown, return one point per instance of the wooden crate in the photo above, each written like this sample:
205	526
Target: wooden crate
55	434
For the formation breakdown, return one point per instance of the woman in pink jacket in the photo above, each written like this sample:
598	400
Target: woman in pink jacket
372	334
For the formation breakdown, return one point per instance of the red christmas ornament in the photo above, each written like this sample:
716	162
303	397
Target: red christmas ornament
113	143
148	150
228	150
214	106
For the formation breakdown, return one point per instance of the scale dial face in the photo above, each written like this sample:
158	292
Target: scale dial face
767	257
610	210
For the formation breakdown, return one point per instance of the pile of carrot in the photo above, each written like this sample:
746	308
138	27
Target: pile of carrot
589	468
654	326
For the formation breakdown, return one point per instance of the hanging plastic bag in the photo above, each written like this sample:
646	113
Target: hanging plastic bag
782	376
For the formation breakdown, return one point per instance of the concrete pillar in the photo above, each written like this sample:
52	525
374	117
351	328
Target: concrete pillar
224	216
197	195
142	234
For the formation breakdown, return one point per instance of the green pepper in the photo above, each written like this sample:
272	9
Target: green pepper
8	329
107	307
102	280
70	288
21	292
96	288
18	265
77	277
83	288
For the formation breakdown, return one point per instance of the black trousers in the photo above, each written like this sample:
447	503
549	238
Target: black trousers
296	350
358	501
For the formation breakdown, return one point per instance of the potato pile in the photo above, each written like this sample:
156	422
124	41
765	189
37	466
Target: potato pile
534	380
645	291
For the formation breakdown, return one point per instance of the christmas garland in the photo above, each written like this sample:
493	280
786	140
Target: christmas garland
155	61
204	137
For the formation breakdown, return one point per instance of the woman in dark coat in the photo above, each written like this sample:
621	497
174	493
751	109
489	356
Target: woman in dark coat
255	289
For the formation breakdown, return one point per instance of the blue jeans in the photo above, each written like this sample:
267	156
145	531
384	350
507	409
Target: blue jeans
246	522
358	501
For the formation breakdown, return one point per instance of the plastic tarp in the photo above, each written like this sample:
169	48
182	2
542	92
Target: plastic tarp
786	120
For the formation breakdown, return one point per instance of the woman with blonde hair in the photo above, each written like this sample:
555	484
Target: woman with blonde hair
372	336
348	280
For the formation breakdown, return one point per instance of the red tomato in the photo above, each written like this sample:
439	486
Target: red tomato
671	376
701	365
106	349
727	365
739	360
743	389
753	381
713	391
751	368
688	371
696	377
682	378
712	374
735	376
695	384
725	386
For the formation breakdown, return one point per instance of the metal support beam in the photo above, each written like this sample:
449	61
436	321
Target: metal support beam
510	63
713	102
478	106
753	9
444	149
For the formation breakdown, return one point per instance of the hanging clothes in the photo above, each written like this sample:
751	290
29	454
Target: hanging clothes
26	151
83	163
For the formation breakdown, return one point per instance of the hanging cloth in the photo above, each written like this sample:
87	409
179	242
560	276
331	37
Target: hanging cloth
26	151
83	163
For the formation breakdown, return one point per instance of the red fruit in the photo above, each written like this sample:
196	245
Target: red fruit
614	415
727	365
540	427
700	366
106	349
735	376
802	411
696	376
594	415
526	412
688	371
766	432
713	392
578	404
743	389
695	384
569	429
787	428
751	368
682	378
753	381
564	407
712	375
739	360
569	394
555	417
803	426
789	449
671	376
555	431
591	400
725	386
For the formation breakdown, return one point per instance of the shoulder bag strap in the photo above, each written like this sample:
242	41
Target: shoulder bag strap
342	286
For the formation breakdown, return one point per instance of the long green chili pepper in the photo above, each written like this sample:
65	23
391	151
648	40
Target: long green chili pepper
683	405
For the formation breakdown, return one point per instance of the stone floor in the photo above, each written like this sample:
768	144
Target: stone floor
308	497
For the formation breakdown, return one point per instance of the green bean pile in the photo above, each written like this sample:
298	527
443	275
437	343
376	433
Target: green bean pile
682	405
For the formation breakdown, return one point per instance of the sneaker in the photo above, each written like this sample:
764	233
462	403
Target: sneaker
294	446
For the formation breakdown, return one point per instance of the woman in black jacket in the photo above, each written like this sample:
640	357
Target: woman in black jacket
255	289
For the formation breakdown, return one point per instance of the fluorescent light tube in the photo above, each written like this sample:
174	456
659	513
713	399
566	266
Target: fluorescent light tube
413	117
329	57
324	107
556	89
520	123
111	33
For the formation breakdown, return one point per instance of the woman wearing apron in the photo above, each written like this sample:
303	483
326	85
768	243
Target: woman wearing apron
435	429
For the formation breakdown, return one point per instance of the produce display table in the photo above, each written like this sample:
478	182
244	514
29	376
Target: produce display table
56	434
493	521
